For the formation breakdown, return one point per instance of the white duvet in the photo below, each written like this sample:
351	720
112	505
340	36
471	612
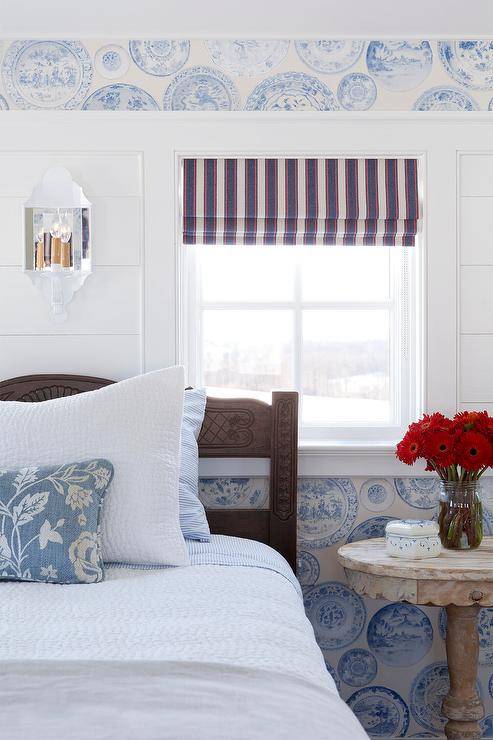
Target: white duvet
233	637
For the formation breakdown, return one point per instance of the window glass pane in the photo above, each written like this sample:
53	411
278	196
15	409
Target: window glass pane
247	350
345	367
346	274
246	273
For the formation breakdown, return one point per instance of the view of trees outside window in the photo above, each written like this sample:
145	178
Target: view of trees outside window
318	319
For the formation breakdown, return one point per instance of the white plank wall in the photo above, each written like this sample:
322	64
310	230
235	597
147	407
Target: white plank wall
102	335
475	213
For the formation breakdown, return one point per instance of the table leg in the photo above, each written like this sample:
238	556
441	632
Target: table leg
462	705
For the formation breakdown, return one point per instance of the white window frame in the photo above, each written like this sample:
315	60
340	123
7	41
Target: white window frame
405	355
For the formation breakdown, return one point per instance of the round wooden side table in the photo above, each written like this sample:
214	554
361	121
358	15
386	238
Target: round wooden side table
459	581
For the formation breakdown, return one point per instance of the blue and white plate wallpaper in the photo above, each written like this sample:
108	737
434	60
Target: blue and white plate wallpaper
160	57
377	494
428	691
369	529
470	63
381	711
327	508
400	634
356	91
111	61
329	56
291	91
357	667
399	65
307	568
247	57
445	98
420	493
120	97
337	614
201	88
254	74
47	74
234	493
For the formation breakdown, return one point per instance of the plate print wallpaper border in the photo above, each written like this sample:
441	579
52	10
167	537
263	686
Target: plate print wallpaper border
247	74
388	660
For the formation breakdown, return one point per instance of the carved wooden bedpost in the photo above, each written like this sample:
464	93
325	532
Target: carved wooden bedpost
284	474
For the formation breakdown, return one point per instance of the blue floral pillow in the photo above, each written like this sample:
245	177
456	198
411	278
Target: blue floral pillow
49	522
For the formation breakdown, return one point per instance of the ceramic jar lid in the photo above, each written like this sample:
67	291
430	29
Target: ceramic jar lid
412	527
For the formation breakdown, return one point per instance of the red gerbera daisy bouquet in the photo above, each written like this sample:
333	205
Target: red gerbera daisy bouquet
459	450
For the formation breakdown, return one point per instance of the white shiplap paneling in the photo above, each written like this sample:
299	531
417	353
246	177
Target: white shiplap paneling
476	174
476	299
114	357
476	230
109	302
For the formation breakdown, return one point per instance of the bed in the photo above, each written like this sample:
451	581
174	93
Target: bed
219	649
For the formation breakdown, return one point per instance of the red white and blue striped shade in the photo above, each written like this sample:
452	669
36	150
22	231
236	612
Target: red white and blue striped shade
301	201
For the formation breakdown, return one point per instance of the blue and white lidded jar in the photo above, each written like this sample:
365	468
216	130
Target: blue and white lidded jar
412	538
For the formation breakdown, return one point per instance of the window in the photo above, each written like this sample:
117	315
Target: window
332	322
317	289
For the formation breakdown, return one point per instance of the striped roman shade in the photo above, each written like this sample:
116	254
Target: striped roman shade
300	201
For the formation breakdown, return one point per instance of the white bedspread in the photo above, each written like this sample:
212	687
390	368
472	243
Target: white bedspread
236	639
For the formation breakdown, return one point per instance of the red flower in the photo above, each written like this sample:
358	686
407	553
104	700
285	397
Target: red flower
439	448
479	421
432	423
409	449
473	451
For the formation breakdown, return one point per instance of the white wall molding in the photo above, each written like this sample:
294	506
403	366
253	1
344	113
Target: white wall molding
256	19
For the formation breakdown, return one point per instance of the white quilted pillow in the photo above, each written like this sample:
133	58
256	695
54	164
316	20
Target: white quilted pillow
136	425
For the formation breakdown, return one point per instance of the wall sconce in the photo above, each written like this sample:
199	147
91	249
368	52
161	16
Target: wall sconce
57	238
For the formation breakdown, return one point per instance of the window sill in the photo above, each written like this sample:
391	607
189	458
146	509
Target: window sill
311	447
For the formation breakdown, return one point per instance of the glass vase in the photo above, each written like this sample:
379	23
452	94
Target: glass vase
460	516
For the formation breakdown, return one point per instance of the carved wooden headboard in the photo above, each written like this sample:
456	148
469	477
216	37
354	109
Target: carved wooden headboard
233	427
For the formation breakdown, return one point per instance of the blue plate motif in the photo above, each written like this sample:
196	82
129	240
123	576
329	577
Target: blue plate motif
400	634
357	667
356	92
445	98
308	569
327	508
247	57
329	56
490	104
111	61
47	74
421	493
120	97
490	686
159	57
377	494
381	711
334	675
201	88
470	63
399	65
234	493
291	91
337	614
487	726
3	103
371	528
428	691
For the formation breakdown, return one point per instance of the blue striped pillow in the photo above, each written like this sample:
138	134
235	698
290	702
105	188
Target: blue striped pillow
193	520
